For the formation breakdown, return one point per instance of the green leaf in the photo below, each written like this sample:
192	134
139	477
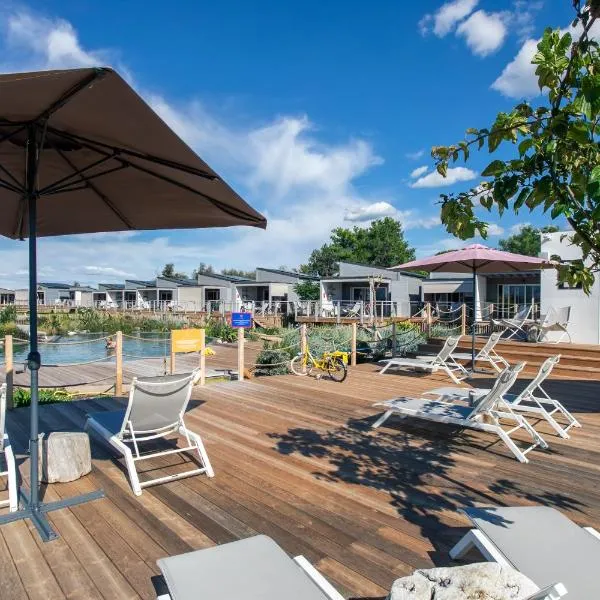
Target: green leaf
496	167
525	145
442	169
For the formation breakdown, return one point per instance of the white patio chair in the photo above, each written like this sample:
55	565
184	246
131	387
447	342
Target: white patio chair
557	319
255	568
541	543
9	458
486	415
532	400
516	325
442	361
353	311
486	354
156	409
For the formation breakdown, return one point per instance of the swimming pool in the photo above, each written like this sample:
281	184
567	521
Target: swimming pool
87	347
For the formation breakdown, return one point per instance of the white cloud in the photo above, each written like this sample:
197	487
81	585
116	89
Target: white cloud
484	32
449	243
418	172
518	226
518	79
377	210
415	155
523	17
494	229
107	271
454	175
447	16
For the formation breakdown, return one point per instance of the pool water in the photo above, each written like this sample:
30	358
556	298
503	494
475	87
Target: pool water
87	347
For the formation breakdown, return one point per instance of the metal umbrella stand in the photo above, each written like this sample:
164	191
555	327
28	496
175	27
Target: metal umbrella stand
81	152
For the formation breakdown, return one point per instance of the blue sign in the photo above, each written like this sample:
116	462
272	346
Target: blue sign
241	319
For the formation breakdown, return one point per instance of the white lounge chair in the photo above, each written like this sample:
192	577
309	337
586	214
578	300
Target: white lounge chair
486	354
556	320
532	400
255	568
516	325
442	361
353	311
485	415
541	543
155	410
9	458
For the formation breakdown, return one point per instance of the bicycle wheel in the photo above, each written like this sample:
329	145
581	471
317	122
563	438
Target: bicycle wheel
337	370
297	366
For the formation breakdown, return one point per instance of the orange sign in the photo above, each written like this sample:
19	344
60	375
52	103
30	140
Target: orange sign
187	340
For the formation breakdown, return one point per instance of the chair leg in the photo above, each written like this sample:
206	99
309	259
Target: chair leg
386	415
475	539
201	449
385	368
11	474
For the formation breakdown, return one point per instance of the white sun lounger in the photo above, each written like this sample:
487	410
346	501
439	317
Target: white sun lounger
557	319
532	400
486	354
255	568
516	324
491	408
442	361
9	458
541	543
155	410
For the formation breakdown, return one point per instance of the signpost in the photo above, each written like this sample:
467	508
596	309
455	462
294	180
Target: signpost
189	340
241	321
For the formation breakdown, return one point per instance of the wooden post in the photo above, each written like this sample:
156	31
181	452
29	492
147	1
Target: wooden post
463	320
353	345
202	357
303	338
339	312
172	365
428	318
8	364
119	362
394	339
240	353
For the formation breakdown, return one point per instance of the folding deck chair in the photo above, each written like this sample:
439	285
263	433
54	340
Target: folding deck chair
254	568
9	457
516	325
532	400
156	409
353	311
487	354
442	361
556	319
491	408
541	543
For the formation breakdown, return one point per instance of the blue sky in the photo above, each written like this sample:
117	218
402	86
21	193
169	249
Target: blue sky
321	114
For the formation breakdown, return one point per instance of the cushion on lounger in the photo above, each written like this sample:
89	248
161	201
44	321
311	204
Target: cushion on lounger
479	581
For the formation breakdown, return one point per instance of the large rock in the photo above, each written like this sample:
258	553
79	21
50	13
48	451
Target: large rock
64	456
479	581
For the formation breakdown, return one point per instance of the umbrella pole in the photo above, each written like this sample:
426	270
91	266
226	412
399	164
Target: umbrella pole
31	507
473	321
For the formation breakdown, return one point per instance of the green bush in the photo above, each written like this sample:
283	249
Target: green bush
273	362
443	331
216	328
22	396
8	314
12	329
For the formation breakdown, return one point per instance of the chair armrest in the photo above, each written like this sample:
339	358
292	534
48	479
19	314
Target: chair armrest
552	592
318	579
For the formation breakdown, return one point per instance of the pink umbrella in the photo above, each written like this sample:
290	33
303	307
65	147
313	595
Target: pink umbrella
475	259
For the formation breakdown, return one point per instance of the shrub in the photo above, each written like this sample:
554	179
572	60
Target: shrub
443	331
272	361
8	314
12	329
22	396
216	328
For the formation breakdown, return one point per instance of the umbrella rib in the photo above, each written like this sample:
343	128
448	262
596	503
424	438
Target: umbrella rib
98	193
57	184
70	187
92	145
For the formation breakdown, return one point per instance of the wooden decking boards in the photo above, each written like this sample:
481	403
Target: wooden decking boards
295	459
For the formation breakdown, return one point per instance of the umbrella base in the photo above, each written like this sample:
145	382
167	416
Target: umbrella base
38	515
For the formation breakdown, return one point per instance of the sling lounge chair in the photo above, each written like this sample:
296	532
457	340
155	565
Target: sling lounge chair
533	400
155	410
556	320
486	354
540	542
9	458
486	415
516	325
353	311
442	361
255	568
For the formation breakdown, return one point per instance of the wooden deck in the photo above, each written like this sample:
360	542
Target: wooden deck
295	459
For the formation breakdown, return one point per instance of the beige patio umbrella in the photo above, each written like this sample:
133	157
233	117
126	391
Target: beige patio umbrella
81	152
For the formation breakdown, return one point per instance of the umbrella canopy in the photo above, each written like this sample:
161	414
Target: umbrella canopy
107	162
476	257
81	152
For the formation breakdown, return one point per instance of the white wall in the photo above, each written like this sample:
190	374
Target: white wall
585	310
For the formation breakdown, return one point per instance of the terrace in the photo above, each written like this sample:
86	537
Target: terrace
295	459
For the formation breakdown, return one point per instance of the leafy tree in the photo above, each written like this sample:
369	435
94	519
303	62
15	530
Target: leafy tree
239	273
169	271
203	269
382	244
556	166
308	290
526	241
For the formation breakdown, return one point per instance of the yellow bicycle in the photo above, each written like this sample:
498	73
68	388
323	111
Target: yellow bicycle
335	364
